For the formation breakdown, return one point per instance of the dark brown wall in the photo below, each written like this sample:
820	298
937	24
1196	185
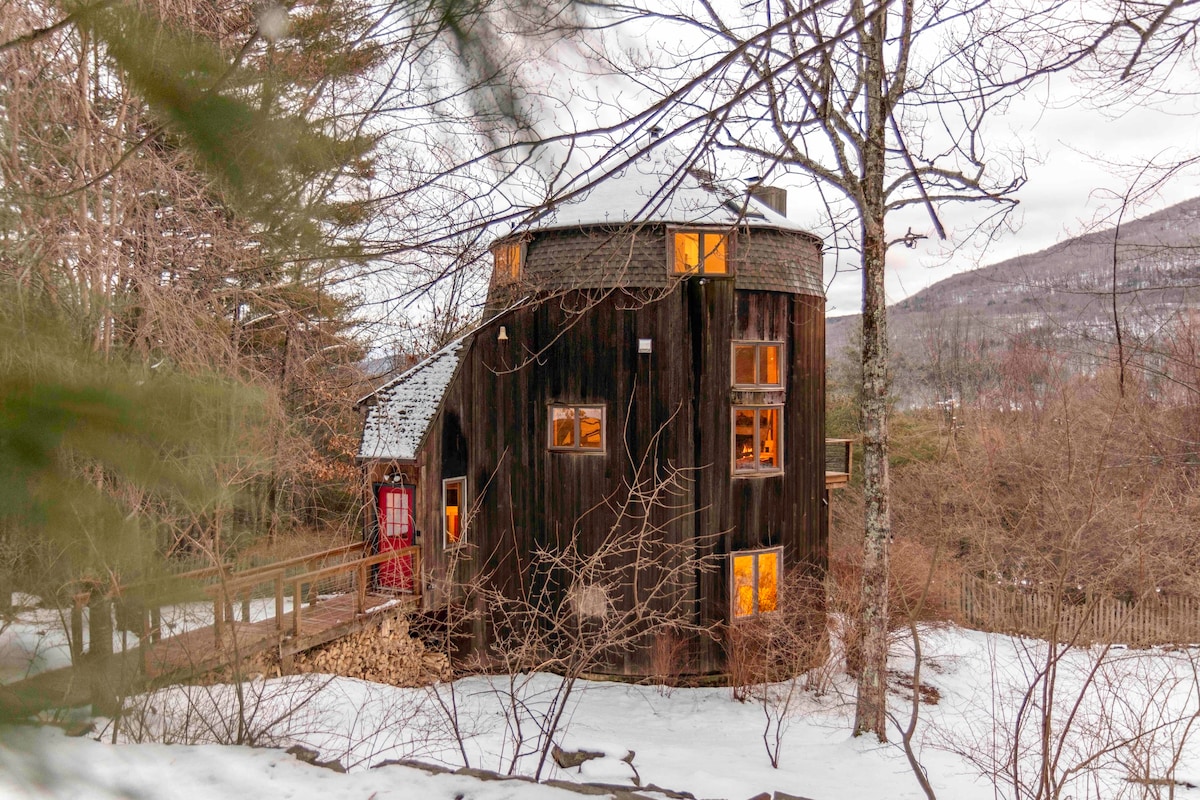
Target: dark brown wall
493	428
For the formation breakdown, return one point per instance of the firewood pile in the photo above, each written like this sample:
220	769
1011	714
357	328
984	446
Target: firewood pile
385	653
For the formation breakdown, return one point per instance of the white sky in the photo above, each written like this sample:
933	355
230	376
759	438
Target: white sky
1084	156
1078	163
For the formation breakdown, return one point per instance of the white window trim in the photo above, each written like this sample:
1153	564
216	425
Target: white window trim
757	471
760	387
700	270
590	451
756	552
462	515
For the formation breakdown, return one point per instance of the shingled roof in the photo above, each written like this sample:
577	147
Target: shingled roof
400	411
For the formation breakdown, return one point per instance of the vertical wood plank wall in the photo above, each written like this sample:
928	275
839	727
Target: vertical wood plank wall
493	428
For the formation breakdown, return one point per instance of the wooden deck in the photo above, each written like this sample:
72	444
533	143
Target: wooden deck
330	618
312	621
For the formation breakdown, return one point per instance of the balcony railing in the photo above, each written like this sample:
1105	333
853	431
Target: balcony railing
839	454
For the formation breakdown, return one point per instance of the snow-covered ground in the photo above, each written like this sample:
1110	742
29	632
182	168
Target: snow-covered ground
37	640
1121	728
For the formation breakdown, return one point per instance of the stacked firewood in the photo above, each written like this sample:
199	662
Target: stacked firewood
385	653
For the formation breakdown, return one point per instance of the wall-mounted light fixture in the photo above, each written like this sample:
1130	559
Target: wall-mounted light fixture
645	346
502	336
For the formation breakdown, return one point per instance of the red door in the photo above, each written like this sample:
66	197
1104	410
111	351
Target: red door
395	533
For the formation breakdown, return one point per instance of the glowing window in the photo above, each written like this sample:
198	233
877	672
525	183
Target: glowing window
578	428
508	261
757	439
453	493
699	252
755	582
757	365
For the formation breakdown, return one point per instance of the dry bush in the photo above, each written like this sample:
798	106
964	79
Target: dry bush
791	641
916	558
775	657
669	659
1059	483
1095	491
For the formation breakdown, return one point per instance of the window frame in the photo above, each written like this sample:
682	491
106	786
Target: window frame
509	276
756	584
758	345
700	271
757	470
576	448
447	544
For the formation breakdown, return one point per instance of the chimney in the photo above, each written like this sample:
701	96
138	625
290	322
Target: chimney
773	197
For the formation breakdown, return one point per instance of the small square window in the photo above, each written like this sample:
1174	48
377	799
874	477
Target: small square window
754	583
508	258
757	365
757	439
577	428
700	252
453	509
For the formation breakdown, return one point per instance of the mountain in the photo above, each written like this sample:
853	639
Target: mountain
1060	296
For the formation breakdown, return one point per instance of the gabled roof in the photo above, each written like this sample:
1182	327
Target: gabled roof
650	189
403	408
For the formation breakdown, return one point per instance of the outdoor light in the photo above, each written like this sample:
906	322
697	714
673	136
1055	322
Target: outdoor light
502	336
645	346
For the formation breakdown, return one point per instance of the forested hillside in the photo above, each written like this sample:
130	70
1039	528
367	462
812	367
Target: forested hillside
1139	282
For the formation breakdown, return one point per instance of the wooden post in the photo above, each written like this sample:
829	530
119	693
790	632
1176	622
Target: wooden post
155	624
297	605
279	602
246	606
100	627
417	579
80	600
360	590
100	650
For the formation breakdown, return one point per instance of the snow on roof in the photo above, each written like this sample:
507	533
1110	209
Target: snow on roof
403	408
650	189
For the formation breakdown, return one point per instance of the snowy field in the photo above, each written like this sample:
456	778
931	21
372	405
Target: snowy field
1121	726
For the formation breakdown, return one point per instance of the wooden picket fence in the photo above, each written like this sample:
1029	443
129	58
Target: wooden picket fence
1084	618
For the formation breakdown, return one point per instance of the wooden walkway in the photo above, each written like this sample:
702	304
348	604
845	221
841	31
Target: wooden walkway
330	618
312	620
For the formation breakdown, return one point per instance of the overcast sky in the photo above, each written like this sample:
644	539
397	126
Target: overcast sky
1081	151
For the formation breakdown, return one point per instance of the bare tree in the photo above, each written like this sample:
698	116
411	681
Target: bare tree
882	106
581	605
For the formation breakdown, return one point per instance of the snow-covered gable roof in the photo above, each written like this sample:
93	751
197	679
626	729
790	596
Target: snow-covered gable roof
649	189
403	408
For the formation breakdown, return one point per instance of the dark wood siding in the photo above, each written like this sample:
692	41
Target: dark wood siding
582	349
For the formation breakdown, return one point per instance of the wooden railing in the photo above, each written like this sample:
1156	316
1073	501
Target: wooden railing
246	585
839	455
1083	619
299	576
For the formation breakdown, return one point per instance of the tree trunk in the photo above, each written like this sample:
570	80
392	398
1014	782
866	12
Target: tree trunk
870	714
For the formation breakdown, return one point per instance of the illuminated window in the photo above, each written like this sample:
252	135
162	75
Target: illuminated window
757	439
755	581
577	428
700	252
757	365
508	261
453	494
